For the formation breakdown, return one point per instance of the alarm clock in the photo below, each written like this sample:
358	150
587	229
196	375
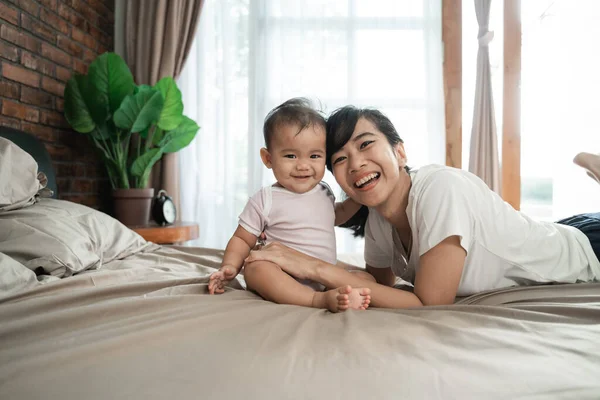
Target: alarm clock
163	209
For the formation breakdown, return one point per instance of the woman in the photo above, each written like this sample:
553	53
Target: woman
440	228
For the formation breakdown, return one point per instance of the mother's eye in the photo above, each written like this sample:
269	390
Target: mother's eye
365	143
338	160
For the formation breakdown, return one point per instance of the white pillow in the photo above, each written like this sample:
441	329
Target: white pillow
18	177
64	238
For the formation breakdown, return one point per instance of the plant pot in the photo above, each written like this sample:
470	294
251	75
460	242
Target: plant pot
132	206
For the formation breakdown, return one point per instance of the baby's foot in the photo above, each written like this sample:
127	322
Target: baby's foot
344	298
591	163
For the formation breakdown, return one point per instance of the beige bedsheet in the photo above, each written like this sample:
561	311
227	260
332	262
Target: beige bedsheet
144	328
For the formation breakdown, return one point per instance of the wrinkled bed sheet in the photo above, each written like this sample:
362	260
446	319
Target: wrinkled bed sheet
145	328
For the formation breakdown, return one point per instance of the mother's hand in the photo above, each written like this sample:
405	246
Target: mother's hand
295	263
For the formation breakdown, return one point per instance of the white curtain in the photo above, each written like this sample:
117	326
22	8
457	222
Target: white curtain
251	55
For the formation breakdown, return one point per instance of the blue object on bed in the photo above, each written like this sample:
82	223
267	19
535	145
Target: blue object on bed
36	148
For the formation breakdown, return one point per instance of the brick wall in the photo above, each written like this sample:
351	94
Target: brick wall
41	43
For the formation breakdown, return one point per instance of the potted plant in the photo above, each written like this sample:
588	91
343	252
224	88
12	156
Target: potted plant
132	126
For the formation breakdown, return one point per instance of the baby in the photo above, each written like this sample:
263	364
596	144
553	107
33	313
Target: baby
298	211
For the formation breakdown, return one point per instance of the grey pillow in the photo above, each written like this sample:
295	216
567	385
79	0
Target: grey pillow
63	238
18	177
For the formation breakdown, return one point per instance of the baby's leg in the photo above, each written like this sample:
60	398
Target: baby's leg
363	275
273	284
591	163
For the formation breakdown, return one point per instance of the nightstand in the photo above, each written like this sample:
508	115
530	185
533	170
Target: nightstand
176	233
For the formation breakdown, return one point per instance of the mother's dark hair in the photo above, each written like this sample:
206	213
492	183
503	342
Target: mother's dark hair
340	127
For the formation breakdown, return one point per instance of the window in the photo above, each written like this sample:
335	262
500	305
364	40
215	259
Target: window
559	106
251	55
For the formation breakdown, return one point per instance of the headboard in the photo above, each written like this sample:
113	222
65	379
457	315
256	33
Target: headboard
36	148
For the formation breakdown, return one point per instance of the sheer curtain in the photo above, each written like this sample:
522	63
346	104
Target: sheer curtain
251	55
560	86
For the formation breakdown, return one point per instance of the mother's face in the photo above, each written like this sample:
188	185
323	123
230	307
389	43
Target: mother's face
367	167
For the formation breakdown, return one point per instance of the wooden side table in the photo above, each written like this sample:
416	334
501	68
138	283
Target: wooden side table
176	233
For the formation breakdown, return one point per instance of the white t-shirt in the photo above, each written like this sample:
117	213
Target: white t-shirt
304	222
504	246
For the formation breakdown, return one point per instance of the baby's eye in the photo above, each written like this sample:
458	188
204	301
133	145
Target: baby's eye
315	156
338	160
365	143
290	156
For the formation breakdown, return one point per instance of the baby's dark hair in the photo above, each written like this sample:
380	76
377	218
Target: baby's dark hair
340	127
298	111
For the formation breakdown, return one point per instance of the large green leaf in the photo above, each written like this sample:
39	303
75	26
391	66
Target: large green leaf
179	137
157	136
172	113
138	111
112	82
143	162
76	110
139	88
142	165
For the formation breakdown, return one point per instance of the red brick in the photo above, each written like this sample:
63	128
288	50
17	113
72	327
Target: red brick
95	170
82	186
100	36
59	104
37	63
90	200
80	66
71	16
29	6
63	185
53	86
22	75
84	9
53	20
9	14
36	97
101	49
101	6
20	39
9	89
70	46
63	74
105	26
70	169
37	28
53	118
8	52
83	38
10	122
20	111
56	55
89	56
58	152
40	131
49	4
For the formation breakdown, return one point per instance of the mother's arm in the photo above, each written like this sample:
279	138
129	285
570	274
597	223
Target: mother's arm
303	266
436	282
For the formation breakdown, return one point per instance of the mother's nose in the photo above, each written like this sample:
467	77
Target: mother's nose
356	163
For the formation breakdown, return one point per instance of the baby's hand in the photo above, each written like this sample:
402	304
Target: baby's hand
218	280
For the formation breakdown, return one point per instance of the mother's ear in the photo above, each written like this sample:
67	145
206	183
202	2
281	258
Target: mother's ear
400	154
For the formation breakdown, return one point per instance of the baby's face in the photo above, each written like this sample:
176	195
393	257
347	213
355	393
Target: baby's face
297	159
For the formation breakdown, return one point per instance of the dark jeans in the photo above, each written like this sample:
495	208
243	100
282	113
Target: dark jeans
589	224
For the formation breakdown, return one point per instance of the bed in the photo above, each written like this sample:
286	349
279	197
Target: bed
89	310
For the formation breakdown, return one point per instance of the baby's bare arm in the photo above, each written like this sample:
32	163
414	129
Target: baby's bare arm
238	248
236	252
345	210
